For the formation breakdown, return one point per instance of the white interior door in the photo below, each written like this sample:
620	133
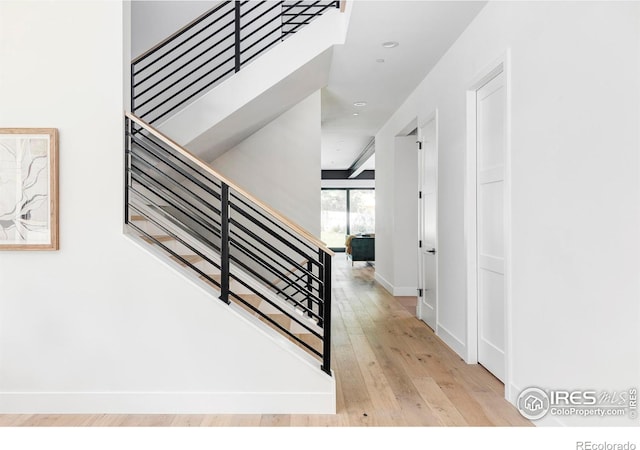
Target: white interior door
491	103
427	226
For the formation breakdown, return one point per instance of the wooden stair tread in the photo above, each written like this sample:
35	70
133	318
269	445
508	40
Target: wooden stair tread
137	218
191	259
216	277
310	339
280	319
252	299
159	238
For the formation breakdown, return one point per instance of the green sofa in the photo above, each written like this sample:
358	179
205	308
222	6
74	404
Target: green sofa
361	248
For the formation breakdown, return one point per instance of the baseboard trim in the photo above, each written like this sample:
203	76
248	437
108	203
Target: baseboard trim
452	341
383	282
396	291
167	403
405	291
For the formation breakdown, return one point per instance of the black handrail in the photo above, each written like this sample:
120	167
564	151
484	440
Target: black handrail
207	215
212	48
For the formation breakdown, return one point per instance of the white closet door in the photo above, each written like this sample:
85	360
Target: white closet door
490	216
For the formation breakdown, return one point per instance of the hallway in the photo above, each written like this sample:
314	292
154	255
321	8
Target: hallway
391	370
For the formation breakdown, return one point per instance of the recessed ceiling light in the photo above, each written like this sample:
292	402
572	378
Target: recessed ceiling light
359	103
390	44
356	114
380	60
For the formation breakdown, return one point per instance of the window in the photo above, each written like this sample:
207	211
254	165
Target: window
346	211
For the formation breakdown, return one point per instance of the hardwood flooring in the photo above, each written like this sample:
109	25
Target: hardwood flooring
390	368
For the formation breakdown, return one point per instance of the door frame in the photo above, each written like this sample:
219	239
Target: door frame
501	64
433	117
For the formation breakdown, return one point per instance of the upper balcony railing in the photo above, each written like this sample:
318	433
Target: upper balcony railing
212	48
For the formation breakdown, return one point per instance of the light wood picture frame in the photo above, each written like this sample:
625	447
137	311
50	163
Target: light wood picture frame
29	189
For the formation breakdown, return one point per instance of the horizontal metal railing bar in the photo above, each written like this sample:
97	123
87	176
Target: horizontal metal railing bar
259	260
275	305
247	36
258	5
215	210
175	182
178	221
264	216
275	324
139	137
318	4
185	76
297	303
310	14
277	28
167	53
293	282
181	31
286	7
259	52
175	221
192	95
193	83
208	49
275	214
282	239
281	276
173	253
255	19
298	278
301	24
205	221
307	294
239	245
181	171
295	23
261	241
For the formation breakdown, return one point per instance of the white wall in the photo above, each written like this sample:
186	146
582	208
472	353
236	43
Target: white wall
153	21
100	325
575	196
280	164
403	279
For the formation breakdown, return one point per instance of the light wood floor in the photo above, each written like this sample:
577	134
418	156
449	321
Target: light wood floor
390	368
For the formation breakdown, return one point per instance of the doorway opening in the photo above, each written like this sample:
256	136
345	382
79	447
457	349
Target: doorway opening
346	212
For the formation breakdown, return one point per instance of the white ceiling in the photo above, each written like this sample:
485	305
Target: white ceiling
424	30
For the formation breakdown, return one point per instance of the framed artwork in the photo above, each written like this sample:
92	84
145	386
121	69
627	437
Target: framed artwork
28	189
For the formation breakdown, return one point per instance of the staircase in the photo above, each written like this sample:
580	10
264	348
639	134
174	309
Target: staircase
241	250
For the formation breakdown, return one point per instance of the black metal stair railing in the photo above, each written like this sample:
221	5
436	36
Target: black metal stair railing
255	252
212	48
